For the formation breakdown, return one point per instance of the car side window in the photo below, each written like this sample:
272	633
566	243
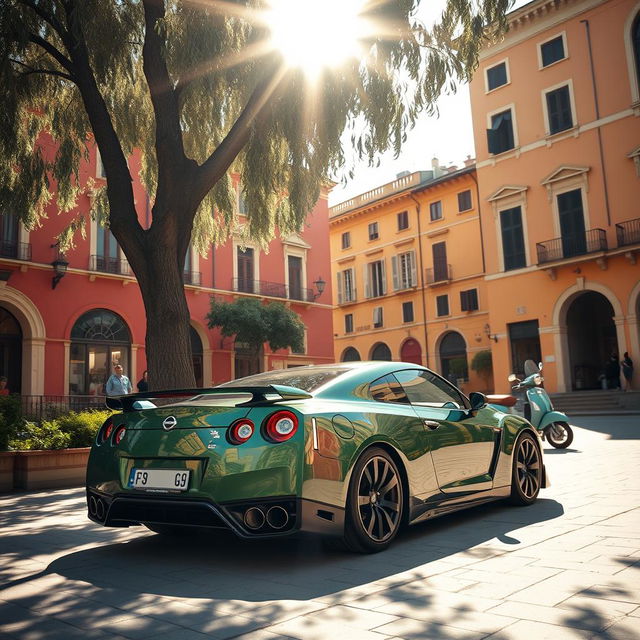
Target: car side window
388	389
423	387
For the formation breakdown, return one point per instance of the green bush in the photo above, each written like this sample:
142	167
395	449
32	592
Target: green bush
10	419
82	427
40	436
482	363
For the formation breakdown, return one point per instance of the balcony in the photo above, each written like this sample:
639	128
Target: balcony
104	264
441	273
571	246
15	250
192	277
272	289
628	233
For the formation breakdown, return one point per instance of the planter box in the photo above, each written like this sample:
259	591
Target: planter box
7	459
50	469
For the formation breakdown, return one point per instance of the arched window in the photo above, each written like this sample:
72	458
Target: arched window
350	355
453	357
381	352
196	354
100	339
635	40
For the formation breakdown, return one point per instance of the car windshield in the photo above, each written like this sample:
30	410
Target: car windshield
305	379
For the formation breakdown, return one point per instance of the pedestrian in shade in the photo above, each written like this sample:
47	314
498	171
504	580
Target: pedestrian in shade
627	371
118	384
143	383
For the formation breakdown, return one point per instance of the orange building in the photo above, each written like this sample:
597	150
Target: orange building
60	336
408	274
555	109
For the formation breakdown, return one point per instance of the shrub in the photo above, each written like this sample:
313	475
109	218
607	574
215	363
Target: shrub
10	419
43	436
482	363
82	427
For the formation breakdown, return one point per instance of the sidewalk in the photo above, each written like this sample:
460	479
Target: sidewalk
567	567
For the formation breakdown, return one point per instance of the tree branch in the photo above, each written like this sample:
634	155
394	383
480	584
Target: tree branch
64	62
252	115
50	19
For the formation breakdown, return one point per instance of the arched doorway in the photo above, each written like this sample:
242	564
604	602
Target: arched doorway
99	339
591	338
10	350
381	352
411	351
350	355
453	357
196	355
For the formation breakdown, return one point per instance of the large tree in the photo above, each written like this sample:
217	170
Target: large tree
198	89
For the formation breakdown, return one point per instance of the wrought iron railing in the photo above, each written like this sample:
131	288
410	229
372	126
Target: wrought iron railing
105	264
192	277
439	273
570	246
628	232
15	250
38	408
272	289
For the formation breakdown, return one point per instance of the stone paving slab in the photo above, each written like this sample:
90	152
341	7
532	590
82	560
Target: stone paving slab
567	567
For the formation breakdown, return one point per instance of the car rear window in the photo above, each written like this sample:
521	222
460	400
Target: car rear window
307	380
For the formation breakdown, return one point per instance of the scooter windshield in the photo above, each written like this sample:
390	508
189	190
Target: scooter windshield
530	367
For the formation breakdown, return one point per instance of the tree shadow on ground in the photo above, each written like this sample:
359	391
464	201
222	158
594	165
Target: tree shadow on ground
618	427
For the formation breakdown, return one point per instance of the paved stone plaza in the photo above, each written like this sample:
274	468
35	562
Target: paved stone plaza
567	567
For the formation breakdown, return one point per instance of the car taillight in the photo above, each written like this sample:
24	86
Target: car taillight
106	430
240	431
117	439
281	426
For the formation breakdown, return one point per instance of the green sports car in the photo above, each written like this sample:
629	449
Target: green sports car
353	450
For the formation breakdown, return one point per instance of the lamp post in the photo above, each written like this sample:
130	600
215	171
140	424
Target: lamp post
60	269
320	285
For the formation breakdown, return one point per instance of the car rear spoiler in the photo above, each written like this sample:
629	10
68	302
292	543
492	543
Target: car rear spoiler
259	395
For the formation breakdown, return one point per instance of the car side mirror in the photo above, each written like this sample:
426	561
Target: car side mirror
477	400
512	377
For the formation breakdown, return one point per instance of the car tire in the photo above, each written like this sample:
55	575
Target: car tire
557	440
170	530
375	503
526	473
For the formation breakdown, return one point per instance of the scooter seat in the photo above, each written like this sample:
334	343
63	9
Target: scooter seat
502	399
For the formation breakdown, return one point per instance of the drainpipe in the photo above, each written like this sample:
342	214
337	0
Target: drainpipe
475	179
422	291
598	128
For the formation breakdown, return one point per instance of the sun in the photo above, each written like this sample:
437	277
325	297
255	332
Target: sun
317	34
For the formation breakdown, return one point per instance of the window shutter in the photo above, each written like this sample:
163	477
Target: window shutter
394	272
414	274
383	271
464	302
367	285
354	290
340	293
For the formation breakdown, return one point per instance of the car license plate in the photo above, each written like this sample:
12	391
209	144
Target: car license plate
172	479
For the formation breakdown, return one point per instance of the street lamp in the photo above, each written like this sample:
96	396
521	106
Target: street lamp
60	269
320	285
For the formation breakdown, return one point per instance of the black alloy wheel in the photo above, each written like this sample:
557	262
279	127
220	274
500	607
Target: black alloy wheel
526	478
375	506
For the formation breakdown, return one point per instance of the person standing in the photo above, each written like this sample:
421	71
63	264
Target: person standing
627	371
612	372
143	383
118	384
4	391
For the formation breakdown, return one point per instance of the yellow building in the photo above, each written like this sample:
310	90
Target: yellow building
556	108
408	274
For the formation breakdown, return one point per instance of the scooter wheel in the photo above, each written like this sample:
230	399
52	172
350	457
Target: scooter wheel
559	435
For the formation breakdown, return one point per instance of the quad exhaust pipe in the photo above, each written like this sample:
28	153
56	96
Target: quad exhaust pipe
97	508
276	517
254	518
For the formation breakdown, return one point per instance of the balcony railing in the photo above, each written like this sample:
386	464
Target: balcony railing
15	250
192	277
37	408
570	246
104	264
628	232
440	273
272	289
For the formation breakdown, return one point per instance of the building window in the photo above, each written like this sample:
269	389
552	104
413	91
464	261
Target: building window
8	235
552	51
346	286
572	227
100	339
635	39
407	312
512	239
469	300
404	270
245	264
559	110
106	259
376	284
242	203
373	231
464	200
346	240
348	323
100	172
442	305
440	266
294	265
403	220
524	339
435	210
497	76
377	317
500	136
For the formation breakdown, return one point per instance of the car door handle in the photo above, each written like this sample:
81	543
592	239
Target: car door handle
432	424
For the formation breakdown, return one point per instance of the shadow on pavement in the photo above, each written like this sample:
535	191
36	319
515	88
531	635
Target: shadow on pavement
616	427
